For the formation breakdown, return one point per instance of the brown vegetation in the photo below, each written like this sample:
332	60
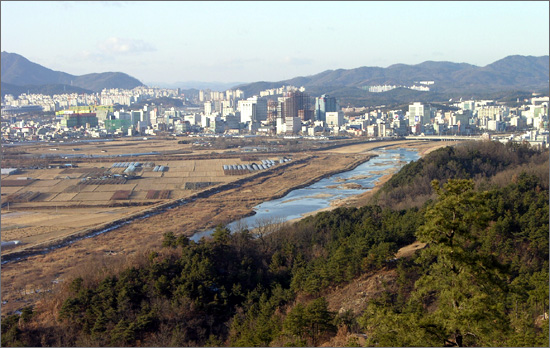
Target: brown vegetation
155	194
17	182
28	196
122	194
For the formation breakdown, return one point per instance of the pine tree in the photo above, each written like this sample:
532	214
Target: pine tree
465	287
460	298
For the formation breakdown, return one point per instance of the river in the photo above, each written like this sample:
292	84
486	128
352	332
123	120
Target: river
324	192
294	205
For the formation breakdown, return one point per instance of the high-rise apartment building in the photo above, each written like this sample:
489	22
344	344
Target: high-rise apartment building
419	113
253	109
208	108
293	125
335	118
205	95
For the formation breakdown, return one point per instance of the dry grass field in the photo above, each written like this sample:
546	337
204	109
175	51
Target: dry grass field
109	147
64	207
73	199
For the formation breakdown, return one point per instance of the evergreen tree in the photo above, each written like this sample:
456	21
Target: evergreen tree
459	300
466	285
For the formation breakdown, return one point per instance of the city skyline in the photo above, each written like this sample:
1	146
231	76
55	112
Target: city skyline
171	42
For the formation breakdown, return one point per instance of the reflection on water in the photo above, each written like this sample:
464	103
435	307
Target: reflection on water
321	194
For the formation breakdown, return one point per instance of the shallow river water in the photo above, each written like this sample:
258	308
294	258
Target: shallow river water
321	194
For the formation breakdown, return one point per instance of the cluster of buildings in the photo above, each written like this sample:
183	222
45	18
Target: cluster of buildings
422	86
111	96
293	111
283	111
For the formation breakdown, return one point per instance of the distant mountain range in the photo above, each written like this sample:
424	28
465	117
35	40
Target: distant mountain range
20	75
518	74
513	73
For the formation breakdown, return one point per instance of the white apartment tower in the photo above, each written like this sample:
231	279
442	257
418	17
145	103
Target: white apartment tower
293	125
247	109
335	118
208	108
253	109
419	113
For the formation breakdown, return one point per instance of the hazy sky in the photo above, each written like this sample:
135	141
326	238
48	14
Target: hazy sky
266	41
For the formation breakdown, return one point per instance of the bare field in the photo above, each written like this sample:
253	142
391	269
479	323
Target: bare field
110	147
44	184
37	226
63	197
8	190
65	188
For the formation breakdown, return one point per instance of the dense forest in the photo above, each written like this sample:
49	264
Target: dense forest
481	280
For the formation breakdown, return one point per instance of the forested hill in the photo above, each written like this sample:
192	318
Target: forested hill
486	162
481	280
526	73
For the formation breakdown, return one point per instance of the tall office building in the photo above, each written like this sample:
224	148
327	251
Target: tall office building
324	104
272	107
261	109
297	105
137	116
247	108
280	107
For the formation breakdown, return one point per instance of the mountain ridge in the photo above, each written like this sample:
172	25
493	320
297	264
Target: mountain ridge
21	72
514	72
